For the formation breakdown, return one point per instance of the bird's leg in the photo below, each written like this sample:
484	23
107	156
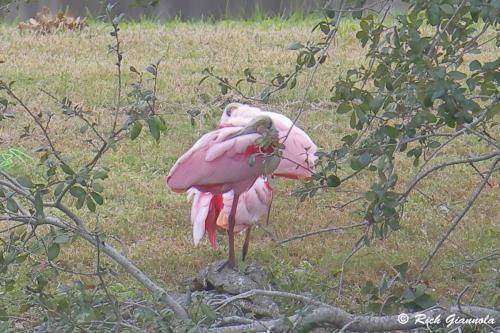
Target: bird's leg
244	250
231	261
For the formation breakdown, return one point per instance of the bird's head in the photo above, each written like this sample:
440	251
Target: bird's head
261	124
228	110
236	114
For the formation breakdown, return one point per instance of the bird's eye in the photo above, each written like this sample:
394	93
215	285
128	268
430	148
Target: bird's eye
228	112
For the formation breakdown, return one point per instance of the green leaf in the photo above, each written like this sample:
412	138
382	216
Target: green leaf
434	14
456	75
53	251
101	174
12	205
391	131
474	65
97	187
344	107
79	203
356	165
24	181
208	312
97	198
90	204
134	70
59	188
447	9
402	269
77	192
136	130
376	103
38	203
152	69
433	144
67	169
371	196
154	128
352	121
333	181
330	13
325	28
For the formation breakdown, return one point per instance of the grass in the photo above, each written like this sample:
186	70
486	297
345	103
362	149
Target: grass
152	224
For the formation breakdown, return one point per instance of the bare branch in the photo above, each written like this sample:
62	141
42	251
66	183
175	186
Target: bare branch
326	46
418	178
337	318
38	122
460	216
126	264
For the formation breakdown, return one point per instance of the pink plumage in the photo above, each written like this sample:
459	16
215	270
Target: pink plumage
253	206
219	162
299	153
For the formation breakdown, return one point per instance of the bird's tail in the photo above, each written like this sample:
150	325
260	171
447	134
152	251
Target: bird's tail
216	206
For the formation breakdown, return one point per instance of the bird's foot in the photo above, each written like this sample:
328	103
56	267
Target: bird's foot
228	263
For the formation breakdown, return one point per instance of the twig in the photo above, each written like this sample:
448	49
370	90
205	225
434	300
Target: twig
341	206
418	178
118	64
38	122
326	46
126	264
259	292
459	217
459	298
359	245
437	36
103	284
321	231
77	113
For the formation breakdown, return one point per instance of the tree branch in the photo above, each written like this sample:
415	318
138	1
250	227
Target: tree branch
337	318
417	179
126	264
460	216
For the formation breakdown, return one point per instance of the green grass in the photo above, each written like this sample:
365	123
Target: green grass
152	223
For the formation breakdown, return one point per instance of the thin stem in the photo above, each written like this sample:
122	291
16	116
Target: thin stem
322	231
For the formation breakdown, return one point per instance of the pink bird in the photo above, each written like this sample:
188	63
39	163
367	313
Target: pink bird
297	163
228	159
299	154
210	212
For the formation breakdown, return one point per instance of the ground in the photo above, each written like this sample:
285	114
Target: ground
151	224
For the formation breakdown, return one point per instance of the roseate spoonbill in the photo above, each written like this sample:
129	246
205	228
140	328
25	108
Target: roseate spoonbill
228	159
210	212
299	153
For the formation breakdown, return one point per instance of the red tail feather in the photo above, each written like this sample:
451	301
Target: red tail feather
216	206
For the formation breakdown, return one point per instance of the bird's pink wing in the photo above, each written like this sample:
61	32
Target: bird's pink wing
217	162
